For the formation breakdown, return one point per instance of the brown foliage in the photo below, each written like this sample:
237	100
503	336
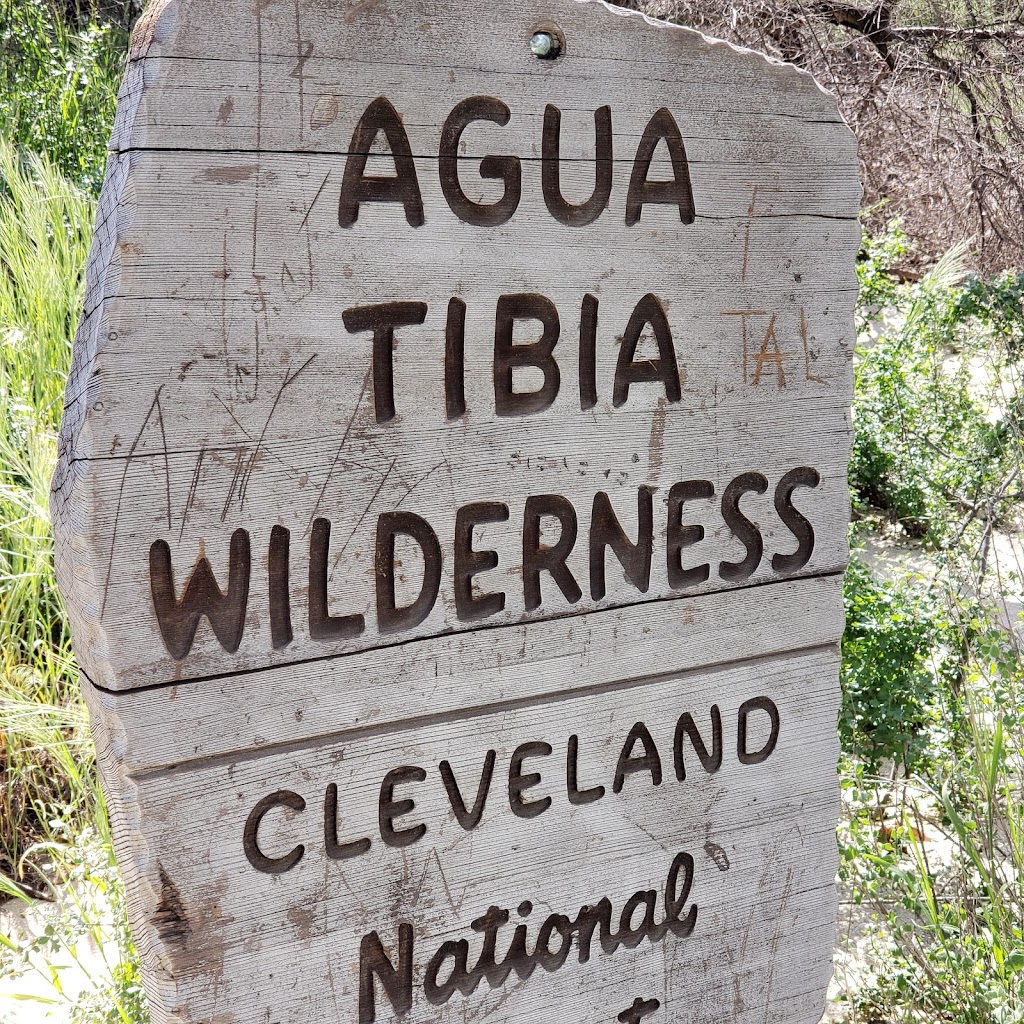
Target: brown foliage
933	90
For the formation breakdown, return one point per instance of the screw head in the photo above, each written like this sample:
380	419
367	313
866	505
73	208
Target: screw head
545	45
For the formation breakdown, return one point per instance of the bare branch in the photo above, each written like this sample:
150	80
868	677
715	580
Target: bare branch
936	106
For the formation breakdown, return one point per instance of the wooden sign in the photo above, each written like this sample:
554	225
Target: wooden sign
452	512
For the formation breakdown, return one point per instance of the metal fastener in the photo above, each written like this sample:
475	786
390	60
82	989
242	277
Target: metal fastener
545	45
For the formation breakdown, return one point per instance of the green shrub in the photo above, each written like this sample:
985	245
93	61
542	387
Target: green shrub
880	289
946	881
996	304
936	438
931	670
897	670
86	908
58	84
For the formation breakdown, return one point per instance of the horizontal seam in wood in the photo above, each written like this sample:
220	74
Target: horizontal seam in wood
839	429
476	158
451	633
419	722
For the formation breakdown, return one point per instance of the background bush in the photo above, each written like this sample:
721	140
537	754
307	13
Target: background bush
932	727
60	68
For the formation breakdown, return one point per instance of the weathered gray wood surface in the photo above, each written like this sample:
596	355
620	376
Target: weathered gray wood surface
762	837
216	387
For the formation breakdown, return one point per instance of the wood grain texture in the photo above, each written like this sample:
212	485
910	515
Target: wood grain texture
762	838
302	559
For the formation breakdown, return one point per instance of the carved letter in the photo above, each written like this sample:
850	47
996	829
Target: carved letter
383	320
588	352
799	525
506	168
576	795
455	360
766	705
649	310
334	849
649	761
509	356
743	529
388	808
468	819
397	981
569	213
606	532
471	607
253	854
678	191
518	782
538	558
358	187
391	618
678	537
322	625
278	571
687	727
225	611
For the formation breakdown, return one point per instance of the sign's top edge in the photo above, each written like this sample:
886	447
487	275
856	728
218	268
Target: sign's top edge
157	26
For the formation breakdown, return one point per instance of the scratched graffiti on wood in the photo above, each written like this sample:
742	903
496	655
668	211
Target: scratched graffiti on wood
451	513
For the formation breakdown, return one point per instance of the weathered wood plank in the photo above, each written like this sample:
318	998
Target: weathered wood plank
711	132
447	479
763	893
377	689
294	58
594	482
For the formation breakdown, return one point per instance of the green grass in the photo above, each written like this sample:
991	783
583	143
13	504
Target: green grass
932	723
57	90
58	87
45	225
